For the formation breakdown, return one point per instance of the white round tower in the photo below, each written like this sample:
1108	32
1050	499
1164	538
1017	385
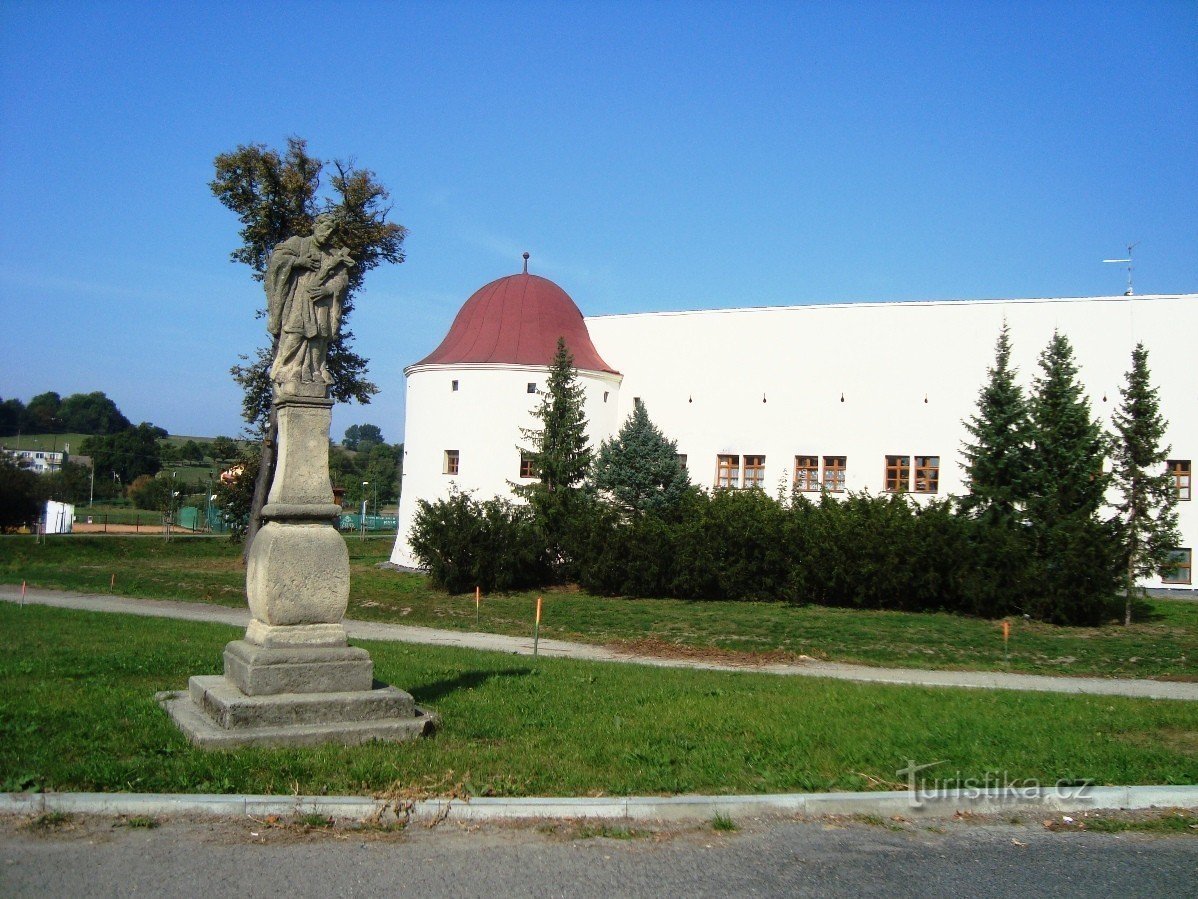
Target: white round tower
469	398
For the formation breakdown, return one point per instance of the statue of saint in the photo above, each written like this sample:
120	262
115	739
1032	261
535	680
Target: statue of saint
306	279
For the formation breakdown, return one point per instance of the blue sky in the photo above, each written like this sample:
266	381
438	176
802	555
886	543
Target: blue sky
666	155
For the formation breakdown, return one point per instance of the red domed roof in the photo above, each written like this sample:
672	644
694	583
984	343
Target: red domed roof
517	320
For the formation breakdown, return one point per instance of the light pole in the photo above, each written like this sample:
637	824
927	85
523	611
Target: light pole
362	523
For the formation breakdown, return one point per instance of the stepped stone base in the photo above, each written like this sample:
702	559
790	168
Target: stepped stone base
302	696
265	671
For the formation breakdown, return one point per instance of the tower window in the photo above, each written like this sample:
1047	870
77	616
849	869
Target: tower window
451	461
532	387
453	385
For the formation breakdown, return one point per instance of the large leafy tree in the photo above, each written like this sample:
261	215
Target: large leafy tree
92	413
1076	551
996	458
21	495
275	197
1147	509
639	468
560	452
126	454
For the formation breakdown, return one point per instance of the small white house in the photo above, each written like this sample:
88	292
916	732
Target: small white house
847	397
38	461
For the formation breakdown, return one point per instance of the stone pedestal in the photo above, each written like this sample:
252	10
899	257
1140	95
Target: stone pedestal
293	680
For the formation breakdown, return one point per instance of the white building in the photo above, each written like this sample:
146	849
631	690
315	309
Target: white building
863	396
38	461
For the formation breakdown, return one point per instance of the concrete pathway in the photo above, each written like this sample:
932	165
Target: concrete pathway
374	630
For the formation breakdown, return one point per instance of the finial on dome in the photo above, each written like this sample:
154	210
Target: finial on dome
526	262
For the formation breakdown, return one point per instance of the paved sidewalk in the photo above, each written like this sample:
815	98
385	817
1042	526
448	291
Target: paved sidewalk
373	630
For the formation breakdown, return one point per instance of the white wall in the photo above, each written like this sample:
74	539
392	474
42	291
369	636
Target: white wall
482	421
703	375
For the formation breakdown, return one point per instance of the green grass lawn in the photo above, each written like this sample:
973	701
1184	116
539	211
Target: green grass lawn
1162	643
77	713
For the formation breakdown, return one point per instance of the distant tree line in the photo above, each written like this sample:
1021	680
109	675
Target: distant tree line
49	413
1033	535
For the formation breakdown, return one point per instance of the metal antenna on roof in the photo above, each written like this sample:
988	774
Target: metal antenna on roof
1131	246
526	262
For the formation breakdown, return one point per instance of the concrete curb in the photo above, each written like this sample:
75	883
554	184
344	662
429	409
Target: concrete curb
932	804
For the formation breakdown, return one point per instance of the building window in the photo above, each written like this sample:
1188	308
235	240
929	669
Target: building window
898	474
1179	470
528	465
1183	566
807	473
532	387
834	467
927	474
605	396
681	457
754	471
451	462
727	471
453	385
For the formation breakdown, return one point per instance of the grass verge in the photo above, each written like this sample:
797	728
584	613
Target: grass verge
1162	643
77	713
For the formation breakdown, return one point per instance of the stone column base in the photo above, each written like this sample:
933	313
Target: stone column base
294	696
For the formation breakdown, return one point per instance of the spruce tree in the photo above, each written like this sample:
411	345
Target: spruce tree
996	474
640	467
996	461
1076	552
560	454
1147	509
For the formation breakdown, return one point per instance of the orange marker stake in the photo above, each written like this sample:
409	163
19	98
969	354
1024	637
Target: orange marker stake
536	630
112	583
1006	636
477	599
22	593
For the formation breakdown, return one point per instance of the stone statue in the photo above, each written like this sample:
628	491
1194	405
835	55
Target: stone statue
306	280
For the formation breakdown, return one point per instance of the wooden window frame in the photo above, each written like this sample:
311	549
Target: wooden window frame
453	462
1182	472
753	472
835	468
926	468
1184	568
528	467
806	474
896	477
727	471
681	457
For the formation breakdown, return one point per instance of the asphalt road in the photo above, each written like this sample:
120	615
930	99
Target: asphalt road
99	857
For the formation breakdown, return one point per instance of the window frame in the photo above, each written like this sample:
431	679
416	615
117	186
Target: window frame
1184	568
834	465
930	472
810	481
727	468
754	469
896	477
1182	473
451	463
528	467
